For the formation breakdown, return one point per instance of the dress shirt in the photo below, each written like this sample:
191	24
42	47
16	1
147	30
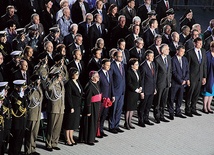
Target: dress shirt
64	25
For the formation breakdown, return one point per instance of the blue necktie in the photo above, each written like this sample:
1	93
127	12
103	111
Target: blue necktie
199	57
165	61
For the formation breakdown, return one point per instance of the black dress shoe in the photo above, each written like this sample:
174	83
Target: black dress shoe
204	111
210	111
56	148
119	130
163	120
114	131
196	113
74	143
126	126
188	114
49	149
141	124
90	143
171	117
157	121
96	141
71	144
131	127
103	134
148	123
180	115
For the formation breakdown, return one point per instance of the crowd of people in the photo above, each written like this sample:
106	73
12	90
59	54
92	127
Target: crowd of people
79	63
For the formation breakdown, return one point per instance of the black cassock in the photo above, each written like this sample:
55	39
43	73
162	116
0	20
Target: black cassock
89	123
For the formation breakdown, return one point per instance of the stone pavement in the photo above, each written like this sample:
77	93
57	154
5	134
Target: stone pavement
190	136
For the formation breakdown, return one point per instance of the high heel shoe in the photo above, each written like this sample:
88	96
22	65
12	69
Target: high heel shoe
69	144
210	111
204	111
132	127
126	126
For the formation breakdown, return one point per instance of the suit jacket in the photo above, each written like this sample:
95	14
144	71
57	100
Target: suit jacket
94	34
106	87
17	75
166	40
207	43
134	54
104	15
189	44
93	65
179	74
161	10
154	49
73	97
68	39
71	48
172	48
76	12
148	38
148	80
163	75
142	11
118	79
197	71
182	39
207	33
128	15
130	41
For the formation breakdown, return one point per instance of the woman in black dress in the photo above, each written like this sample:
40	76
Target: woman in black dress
91	110
133	91
73	100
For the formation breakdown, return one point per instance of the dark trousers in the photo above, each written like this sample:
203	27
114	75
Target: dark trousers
104	114
116	111
144	107
160	102
16	141
192	96
176	95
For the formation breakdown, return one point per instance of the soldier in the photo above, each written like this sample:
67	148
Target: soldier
35	97
20	42
5	47
55	109
6	114
54	36
19	111
1	123
59	65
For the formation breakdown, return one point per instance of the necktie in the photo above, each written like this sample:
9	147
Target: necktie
24	75
199	57
131	12
121	68
180	61
99	27
140	55
124	58
154	32
165	61
152	69
107	76
79	66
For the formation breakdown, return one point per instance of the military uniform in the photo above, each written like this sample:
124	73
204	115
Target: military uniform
35	97
55	110
1	128
19	112
63	70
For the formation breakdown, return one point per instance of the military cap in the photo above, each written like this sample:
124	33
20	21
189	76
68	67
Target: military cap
20	83
3	84
170	11
3	33
54	29
20	31
34	77
152	13
16	53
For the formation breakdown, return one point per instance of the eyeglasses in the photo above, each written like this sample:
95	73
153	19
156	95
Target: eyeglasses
119	56
89	19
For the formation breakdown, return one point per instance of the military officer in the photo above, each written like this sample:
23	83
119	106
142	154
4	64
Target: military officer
18	111
35	97
55	110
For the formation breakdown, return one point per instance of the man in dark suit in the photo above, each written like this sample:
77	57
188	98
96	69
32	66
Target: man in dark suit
70	37
129	12
79	10
162	7
97	30
164	74
189	44
185	34
118	76
48	47
180	75
94	63
174	43
130	39
106	88
166	36
150	33
77	44
121	46
197	76
119	31
103	13
78	63
138	51
207	33
148	84
208	40
156	46
144	9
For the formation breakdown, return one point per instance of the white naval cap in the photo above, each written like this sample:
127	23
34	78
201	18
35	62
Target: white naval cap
16	53
3	84
19	82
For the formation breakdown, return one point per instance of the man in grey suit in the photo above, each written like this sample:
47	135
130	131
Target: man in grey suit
164	74
197	76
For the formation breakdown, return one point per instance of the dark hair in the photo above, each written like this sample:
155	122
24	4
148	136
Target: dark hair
197	39
105	60
26	50
75	51
120	40
157	36
180	47
132	61
111	7
72	72
152	21
94	50
149	52
60	47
